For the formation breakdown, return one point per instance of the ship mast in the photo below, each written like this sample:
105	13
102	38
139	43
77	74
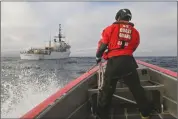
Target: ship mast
60	34
50	41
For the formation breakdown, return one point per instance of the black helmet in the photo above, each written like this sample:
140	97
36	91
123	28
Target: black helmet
124	14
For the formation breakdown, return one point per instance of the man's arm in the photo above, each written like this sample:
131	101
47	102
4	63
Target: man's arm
103	43
101	48
137	40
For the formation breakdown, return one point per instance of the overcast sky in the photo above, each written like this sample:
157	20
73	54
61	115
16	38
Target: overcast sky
29	24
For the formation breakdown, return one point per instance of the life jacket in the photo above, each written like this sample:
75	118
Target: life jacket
123	41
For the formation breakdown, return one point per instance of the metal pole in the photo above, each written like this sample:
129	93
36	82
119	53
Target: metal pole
125	99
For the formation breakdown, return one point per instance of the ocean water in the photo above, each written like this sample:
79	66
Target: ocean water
24	84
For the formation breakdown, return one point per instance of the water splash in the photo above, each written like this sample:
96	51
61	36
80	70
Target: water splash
22	92
25	95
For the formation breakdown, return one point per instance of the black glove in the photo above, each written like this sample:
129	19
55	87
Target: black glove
98	60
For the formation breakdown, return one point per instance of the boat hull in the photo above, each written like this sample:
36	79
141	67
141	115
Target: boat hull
74	100
57	55
31	56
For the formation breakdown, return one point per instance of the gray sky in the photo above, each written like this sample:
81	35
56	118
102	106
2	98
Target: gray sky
29	24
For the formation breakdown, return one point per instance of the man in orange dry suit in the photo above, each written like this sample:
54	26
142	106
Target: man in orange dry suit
120	40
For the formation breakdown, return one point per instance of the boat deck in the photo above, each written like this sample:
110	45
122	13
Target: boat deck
126	110
130	111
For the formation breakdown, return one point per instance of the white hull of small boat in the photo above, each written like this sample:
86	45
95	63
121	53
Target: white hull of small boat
73	101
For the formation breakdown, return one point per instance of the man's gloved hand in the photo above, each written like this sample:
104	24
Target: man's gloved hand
98	60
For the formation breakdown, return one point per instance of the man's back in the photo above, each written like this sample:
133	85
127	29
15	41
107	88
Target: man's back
117	33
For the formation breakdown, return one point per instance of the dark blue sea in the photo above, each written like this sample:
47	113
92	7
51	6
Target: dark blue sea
24	84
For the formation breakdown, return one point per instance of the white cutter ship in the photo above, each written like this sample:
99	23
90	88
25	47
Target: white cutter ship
58	49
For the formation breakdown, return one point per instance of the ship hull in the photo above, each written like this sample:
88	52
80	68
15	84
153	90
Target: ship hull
57	55
31	56
52	55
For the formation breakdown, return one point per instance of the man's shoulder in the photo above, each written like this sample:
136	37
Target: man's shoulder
109	27
135	30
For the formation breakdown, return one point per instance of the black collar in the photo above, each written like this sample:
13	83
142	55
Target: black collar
122	22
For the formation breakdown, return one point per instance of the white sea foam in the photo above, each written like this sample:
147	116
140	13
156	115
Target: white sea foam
26	92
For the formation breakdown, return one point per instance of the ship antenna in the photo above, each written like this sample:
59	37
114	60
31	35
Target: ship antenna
50	36
60	35
50	39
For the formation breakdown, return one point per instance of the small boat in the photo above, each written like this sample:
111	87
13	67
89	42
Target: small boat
74	101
